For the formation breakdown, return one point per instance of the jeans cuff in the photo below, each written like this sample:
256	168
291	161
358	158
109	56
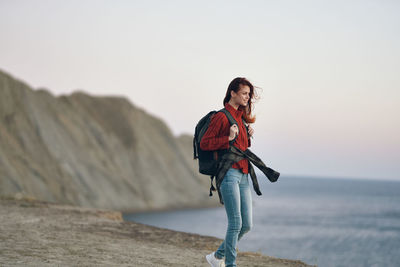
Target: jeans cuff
218	256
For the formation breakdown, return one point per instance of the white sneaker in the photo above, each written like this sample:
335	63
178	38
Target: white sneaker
214	262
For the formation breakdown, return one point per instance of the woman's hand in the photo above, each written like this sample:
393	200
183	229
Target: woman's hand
233	132
251	131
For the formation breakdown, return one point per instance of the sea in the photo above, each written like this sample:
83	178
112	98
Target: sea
320	221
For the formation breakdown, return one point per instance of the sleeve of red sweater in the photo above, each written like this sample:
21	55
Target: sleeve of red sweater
217	135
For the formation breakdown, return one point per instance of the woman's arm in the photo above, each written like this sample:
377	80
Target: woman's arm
217	135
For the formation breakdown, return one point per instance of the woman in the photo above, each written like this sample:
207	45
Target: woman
234	188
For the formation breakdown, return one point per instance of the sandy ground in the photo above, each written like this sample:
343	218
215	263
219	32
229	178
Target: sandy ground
34	233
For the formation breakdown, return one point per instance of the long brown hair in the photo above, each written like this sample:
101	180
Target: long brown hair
235	86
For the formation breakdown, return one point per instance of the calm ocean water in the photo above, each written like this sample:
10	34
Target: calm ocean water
322	221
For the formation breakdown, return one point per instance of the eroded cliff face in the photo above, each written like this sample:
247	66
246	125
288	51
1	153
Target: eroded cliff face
92	151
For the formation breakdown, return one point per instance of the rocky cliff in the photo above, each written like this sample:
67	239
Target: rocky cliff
101	152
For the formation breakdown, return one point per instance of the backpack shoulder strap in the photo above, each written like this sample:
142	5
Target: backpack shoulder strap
231	121
229	116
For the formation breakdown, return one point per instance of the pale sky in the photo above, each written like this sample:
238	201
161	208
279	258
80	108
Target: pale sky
329	70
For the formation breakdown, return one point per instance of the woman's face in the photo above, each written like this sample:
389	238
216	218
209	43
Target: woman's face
242	96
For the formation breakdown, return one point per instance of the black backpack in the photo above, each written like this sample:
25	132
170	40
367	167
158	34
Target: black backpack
208	159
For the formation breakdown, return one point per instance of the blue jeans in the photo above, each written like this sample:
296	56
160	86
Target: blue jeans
236	194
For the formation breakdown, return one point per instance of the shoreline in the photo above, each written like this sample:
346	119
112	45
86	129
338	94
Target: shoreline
37	233
173	208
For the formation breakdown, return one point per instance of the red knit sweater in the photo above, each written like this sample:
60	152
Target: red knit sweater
217	135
